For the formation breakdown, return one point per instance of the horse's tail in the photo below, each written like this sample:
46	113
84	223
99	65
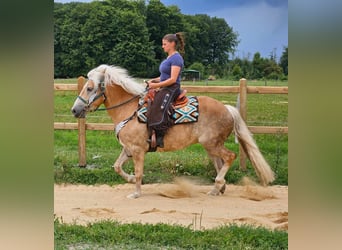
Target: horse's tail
247	142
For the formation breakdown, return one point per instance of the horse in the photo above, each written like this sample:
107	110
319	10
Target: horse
120	93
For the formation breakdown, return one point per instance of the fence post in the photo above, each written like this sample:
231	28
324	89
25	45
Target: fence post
81	130
243	113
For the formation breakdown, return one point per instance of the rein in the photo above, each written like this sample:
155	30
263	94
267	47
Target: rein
103	94
120	104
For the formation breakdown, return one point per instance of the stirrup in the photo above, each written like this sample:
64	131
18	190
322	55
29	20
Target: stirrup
160	141
152	140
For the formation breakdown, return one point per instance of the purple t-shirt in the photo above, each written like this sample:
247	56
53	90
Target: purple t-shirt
165	67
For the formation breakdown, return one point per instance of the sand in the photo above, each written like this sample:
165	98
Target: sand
182	202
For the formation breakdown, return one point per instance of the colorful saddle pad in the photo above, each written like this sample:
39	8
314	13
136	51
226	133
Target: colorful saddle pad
186	114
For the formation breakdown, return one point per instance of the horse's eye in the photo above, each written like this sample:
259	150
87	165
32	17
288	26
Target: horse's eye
89	89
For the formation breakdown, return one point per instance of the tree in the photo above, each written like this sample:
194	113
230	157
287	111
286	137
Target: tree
157	22
222	41
132	49
272	70
197	29
200	67
265	68
111	32
207	40
128	33
284	61
236	72
69	19
257	66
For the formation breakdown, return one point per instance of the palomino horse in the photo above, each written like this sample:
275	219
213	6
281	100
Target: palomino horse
120	94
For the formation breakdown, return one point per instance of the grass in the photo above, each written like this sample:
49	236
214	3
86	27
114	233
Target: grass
103	149
113	235
262	109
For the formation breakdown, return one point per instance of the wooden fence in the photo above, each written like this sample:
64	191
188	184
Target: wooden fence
242	89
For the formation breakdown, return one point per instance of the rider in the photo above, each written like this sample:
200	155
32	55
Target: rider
168	84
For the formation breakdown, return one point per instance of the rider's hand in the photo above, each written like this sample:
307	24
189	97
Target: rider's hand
153	85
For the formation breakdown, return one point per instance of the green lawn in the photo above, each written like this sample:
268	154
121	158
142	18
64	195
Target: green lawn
113	235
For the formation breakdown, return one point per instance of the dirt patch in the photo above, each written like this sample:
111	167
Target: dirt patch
255	192
182	202
181	188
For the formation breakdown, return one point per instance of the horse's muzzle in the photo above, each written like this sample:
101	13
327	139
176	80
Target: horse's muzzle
79	113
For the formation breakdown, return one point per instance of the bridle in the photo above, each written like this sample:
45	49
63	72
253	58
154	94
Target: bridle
97	96
102	94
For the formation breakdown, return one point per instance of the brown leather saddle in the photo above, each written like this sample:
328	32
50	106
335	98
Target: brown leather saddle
180	102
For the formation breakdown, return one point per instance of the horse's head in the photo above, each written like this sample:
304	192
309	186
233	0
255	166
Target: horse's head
92	94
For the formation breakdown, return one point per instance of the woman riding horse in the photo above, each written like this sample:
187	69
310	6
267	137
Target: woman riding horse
168	84
113	87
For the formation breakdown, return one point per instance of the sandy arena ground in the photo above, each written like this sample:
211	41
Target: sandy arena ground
182	202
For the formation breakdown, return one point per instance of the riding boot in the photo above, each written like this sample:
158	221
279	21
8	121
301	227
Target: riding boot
160	139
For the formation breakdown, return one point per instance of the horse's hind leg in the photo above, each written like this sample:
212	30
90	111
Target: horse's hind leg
123	157
218	162
223	159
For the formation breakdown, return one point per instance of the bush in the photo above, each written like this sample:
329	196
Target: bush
237	72
274	76
200	67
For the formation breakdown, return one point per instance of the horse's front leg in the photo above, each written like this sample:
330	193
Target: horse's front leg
138	160
122	159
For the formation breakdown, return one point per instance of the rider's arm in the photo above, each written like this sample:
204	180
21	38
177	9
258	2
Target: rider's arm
157	79
175	70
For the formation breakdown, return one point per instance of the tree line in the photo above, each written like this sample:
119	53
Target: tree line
128	33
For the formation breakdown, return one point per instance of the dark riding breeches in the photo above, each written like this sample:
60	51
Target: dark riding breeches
159	114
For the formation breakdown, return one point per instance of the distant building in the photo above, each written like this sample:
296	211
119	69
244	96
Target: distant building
191	75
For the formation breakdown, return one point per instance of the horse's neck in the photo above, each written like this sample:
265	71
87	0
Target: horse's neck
115	96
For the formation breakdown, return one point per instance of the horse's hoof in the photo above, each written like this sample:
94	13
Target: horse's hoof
223	188
214	192
133	196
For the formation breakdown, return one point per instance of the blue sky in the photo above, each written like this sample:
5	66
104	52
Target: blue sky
262	25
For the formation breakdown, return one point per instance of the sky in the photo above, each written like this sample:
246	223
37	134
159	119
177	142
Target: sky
262	25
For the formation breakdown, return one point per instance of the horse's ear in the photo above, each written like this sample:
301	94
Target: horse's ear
102	68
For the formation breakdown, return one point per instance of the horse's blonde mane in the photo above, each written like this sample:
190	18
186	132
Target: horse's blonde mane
119	76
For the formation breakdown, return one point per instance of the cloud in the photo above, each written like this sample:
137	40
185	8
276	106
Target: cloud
262	25
261	28
204	6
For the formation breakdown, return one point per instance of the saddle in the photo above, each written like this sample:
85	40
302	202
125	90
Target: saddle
181	101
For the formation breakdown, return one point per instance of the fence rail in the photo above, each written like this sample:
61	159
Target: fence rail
109	126
242	89
202	89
